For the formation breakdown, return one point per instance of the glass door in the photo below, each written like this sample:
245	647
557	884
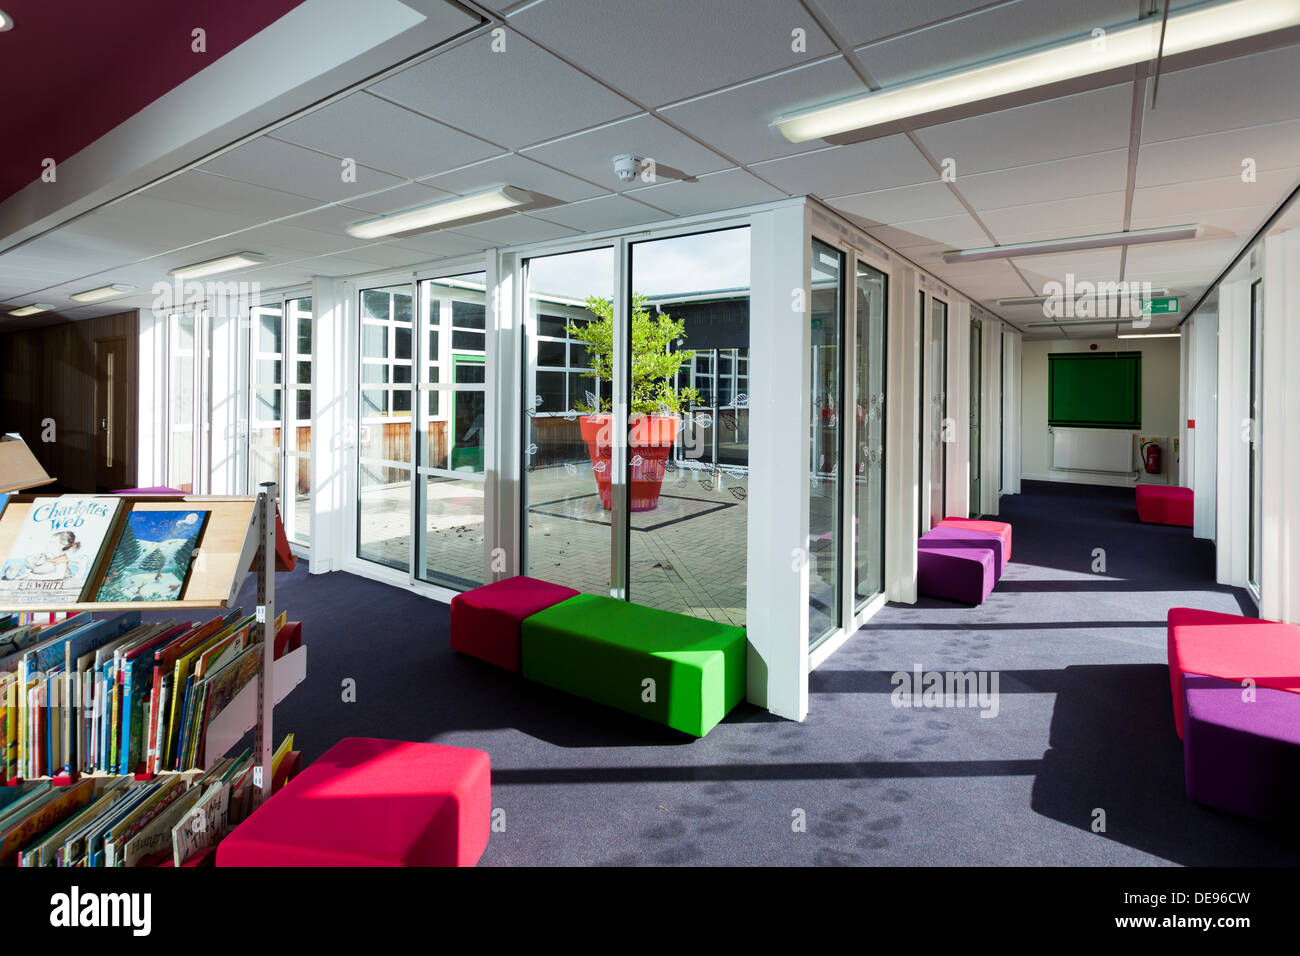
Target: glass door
184	391
869	466
976	413
266	394
566	401
384	447
452	408
940	427
1254	549
824	488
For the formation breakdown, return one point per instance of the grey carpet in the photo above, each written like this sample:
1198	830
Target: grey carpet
1085	723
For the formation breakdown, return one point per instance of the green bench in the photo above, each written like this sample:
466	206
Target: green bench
682	671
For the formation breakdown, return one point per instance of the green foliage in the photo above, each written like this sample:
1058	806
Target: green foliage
654	365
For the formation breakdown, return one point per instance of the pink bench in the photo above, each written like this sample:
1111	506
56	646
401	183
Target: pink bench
1001	528
1162	504
371	802
485	622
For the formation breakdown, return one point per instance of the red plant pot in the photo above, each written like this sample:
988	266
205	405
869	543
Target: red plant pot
651	439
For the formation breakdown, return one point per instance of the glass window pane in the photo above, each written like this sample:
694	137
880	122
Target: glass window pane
269	324
689	499
551	354
869	493
384	515
551	325
268	372
468	341
566	481
374	340
453	532
402	342
467	315
824	492
471	373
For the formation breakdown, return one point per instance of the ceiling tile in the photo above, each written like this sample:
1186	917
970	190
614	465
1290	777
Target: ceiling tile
469	85
1246	91
737	120
289	168
208	191
860	21
848	170
608	212
590	155
440	244
923	201
515	230
1274	146
1093	265
951	232
1036	133
997	31
337	217
1058	219
679	49
1079	176
1197	201
717	191
382	136
515	170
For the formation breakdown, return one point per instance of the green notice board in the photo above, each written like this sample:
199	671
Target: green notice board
1087	390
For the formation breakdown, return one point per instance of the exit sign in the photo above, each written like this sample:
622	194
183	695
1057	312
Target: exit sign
1164	306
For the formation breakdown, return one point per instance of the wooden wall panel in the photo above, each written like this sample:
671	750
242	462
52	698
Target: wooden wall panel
48	373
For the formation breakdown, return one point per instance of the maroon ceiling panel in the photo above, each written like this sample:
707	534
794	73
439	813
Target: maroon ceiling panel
72	70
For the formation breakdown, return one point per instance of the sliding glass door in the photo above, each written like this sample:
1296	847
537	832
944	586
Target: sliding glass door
188	370
825	492
872	296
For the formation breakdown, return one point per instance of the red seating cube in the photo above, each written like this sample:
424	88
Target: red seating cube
1230	647
371	802
1161	504
485	621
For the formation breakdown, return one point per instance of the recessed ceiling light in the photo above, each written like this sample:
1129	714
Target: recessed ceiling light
31	309
103	292
1122	46
497	199
212	266
1104	240
6	22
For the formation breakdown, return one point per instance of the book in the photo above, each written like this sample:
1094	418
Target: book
59	550
137	675
61	804
220	689
153	556
164	661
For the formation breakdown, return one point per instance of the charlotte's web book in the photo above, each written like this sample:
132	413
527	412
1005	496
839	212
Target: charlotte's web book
57	552
153	556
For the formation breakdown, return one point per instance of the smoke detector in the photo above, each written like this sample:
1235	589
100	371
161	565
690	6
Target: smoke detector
626	167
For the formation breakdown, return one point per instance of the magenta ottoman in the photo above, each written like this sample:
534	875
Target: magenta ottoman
956	573
1161	504
1240	755
372	802
485	621
951	536
1001	528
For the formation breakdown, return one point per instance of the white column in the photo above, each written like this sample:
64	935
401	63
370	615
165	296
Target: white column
1279	584
903	435
333	427
504	417
1011	342
779	370
957	487
1198	468
990	415
1232	513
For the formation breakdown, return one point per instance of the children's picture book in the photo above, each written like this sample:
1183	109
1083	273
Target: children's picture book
57	552
153	556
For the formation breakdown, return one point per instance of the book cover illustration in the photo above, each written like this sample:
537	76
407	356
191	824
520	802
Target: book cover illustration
56	552
153	556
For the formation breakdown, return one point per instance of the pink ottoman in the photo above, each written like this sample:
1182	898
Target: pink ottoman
370	802
1000	528
1161	504
485	621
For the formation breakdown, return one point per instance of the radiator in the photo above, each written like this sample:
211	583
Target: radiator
1103	450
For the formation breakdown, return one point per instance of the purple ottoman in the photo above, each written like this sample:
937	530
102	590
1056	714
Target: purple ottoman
949	536
954	570
485	621
1241	756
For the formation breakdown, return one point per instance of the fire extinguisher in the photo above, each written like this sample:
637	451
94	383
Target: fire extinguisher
1151	457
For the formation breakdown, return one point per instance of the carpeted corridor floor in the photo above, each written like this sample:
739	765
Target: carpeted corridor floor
1084	723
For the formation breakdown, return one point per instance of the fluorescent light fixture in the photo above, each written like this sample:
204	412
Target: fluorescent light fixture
1040	299
1122	46
1151	335
1045	247
213	266
103	292
31	309
497	199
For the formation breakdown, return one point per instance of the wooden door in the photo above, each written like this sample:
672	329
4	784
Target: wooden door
112	406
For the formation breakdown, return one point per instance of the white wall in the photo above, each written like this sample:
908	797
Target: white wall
1160	405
